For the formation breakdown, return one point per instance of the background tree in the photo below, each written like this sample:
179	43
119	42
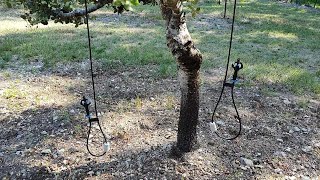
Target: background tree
179	42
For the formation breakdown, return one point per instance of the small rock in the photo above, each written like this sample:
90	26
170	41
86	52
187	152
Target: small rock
98	173
291	131
258	166
127	164
286	101
144	125
77	160
294	169
72	150
72	111
211	143
23	172
290	178
317	145
19	136
184	175
19	153
44	132
221	123
304	129
65	162
55	118
278	171
61	151
90	173
243	168
280	153
296	129
307	149
245	161
46	151
168	135
54	156
63	168
280	140
288	149
304	178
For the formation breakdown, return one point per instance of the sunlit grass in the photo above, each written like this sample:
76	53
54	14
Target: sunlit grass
278	44
111	42
286	36
285	74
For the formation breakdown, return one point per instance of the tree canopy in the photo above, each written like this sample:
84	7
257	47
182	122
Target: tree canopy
72	11
64	11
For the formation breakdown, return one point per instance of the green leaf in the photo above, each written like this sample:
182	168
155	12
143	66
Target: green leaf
117	3
8	4
135	2
130	8
190	7
127	6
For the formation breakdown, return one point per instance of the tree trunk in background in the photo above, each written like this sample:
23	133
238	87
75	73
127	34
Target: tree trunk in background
189	60
225	9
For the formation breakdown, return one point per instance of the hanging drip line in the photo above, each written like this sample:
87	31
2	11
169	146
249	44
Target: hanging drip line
86	102
236	66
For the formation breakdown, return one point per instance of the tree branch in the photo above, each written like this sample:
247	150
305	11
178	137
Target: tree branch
81	12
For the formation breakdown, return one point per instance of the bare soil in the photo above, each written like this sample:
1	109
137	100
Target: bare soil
139	113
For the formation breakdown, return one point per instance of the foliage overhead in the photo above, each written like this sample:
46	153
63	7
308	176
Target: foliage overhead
65	11
72	11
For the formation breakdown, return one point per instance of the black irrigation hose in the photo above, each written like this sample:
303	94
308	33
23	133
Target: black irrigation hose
231	85
90	57
85	102
104	137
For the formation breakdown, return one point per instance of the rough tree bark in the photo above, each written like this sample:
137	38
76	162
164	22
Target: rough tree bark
189	59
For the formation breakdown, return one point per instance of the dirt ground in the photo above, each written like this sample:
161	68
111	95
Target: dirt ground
43	128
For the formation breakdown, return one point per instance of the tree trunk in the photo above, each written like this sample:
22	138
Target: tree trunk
189	60
225	9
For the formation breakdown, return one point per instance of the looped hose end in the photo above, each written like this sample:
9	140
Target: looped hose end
106	146
213	127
